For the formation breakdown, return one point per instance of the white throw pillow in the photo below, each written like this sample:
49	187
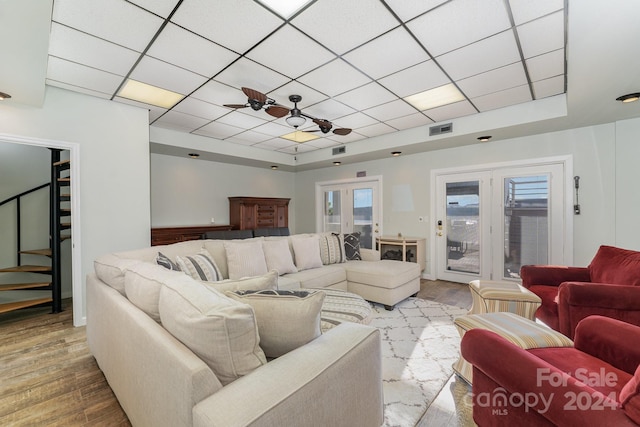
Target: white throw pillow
307	252
245	259
286	319
200	266
332	248
257	283
218	329
278	256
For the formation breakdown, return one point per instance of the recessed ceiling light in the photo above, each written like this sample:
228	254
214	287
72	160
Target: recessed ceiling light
4	96
148	94
436	97
194	155
396	153
337	163
274	167
300	136
285	8
484	138
630	97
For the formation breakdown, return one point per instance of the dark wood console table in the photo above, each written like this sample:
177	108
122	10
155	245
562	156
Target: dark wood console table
168	235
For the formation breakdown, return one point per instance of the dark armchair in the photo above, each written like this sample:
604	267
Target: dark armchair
609	286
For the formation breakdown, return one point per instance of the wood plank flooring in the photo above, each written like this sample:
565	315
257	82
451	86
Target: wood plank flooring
49	378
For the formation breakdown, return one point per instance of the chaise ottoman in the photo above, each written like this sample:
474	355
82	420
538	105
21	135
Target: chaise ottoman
517	329
385	281
342	306
490	296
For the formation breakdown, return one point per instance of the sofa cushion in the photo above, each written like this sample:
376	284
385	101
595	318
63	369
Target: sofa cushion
352	246
383	274
332	248
245	258
199	266
218	329
630	397
278	256
286	319
307	252
615	265
110	269
142	285
266	281
328	275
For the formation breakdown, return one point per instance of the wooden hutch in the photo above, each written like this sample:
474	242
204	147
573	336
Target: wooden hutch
249	213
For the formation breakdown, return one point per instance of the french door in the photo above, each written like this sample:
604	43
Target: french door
350	206
490	223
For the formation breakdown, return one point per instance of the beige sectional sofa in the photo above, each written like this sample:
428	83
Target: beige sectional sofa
335	379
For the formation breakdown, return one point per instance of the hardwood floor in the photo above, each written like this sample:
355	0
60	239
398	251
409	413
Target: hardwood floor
49	378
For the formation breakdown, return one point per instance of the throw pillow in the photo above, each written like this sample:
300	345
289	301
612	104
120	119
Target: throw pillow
221	331
166	262
332	248
200	266
352	246
266	281
286	319
278	256
245	259
307	252
630	397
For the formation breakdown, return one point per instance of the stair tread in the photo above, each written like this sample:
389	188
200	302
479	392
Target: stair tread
11	306
61	162
45	252
64	179
26	268
18	286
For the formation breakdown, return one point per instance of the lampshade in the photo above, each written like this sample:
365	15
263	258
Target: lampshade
296	121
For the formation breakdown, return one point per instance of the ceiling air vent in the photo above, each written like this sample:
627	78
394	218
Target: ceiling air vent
439	129
339	150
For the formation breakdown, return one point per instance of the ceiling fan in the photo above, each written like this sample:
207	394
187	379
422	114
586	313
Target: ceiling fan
258	101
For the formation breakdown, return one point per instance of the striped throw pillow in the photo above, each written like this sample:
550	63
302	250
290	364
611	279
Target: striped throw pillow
332	248
200	267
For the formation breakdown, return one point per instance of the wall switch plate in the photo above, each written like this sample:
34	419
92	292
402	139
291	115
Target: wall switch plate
213	220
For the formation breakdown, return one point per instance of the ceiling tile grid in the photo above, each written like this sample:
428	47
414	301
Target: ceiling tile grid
352	62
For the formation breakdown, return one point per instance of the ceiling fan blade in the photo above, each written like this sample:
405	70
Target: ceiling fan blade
277	111
342	131
236	105
254	94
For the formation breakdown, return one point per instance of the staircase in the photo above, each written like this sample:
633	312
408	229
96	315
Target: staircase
59	230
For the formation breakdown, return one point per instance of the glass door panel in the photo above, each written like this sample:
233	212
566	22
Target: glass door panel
332	212
462	219
363	216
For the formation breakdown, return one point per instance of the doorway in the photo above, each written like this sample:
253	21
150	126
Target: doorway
492	220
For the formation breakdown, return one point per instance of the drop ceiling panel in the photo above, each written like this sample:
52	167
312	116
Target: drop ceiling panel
82	76
546	65
527	10
249	137
410	121
247	73
291	52
181	120
542	35
154	112
75	46
503	98
237	25
162	74
274	129
335	78
240	120
275	143
159	7
416	79
78	89
459	23
548	87
322	142
451	111
356	120
327	20
217	93
409	9
177	46
488	54
375	130
494	80
199	108
309	96
329	110
218	130
381	56
366	96
390	110
117	21
297	148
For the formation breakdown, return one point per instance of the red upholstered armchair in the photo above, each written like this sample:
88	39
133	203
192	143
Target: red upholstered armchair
594	383
609	286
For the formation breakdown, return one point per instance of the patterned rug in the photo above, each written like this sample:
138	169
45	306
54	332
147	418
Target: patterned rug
419	345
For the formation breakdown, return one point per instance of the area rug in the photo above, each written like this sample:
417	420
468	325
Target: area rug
419	345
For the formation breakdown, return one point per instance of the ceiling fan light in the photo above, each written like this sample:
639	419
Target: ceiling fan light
4	96
484	138
296	121
630	97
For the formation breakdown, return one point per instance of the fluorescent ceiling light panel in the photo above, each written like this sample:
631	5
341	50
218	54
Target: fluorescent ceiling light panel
148	94
299	136
436	97
285	8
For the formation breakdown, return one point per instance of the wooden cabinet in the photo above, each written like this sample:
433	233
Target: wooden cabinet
410	249
168	235
249	213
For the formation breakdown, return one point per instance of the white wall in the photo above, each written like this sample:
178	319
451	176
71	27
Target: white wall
113	141
594	154
187	191
627	193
